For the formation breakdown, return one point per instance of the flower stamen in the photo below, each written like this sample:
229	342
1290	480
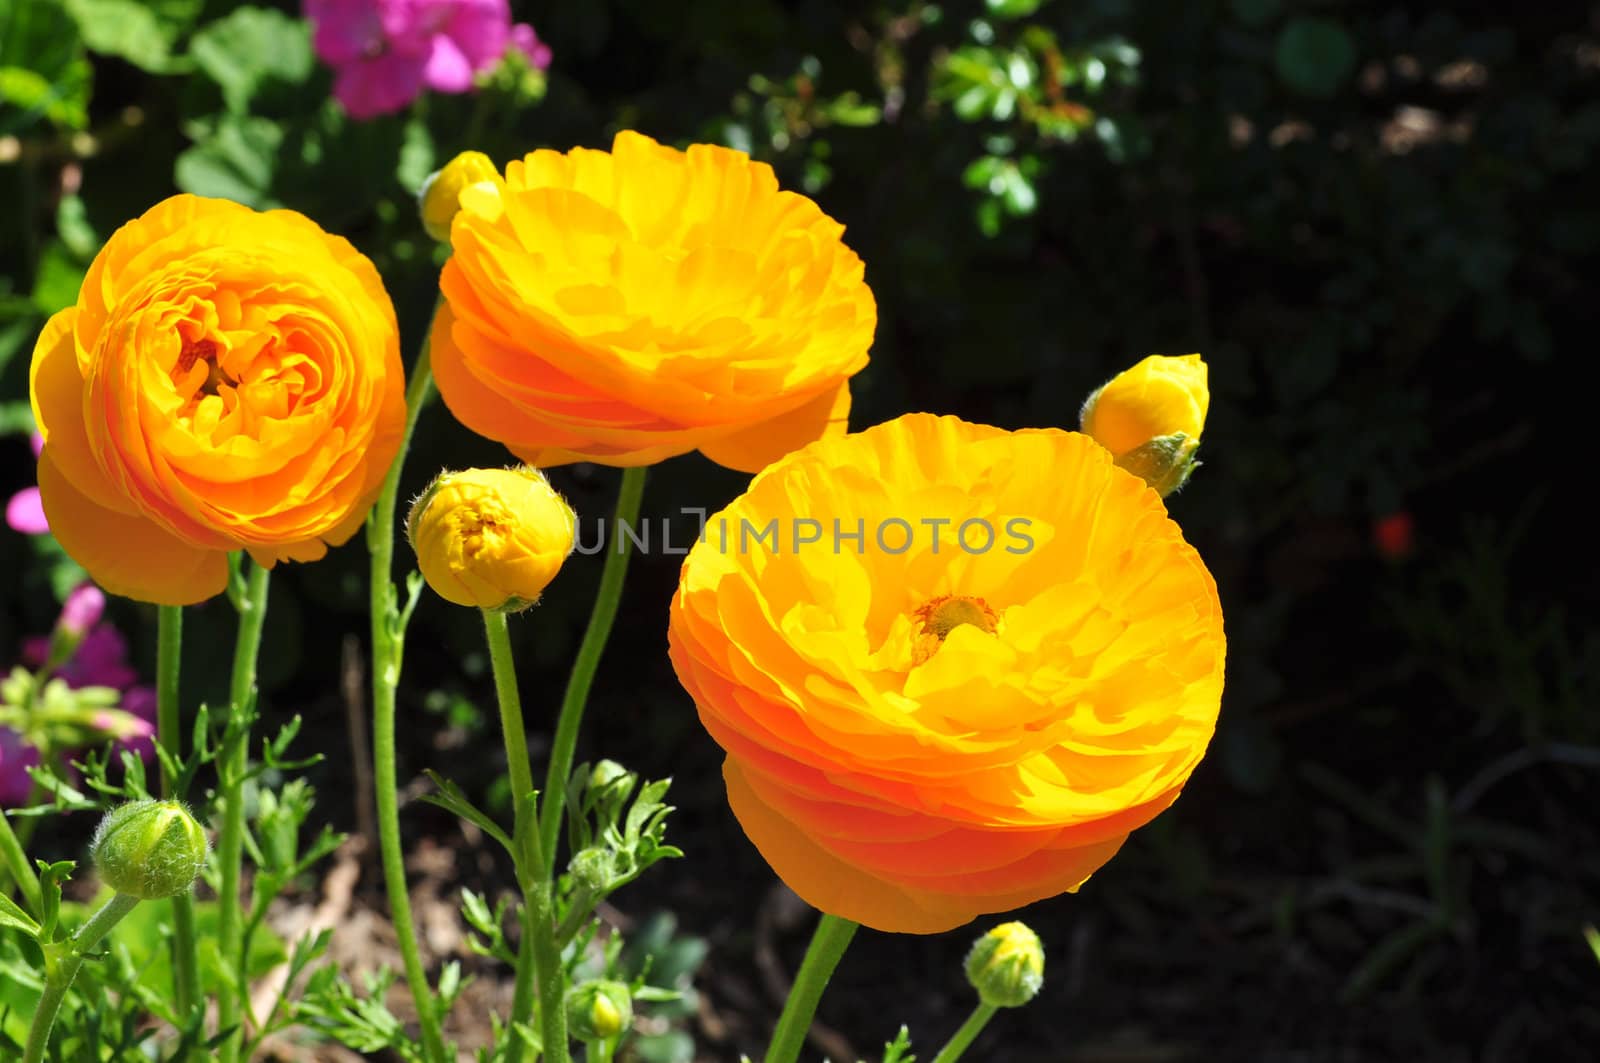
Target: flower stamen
944	613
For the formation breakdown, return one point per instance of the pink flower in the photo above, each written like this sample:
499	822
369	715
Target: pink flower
82	610
16	757
528	43
101	659
24	510
385	51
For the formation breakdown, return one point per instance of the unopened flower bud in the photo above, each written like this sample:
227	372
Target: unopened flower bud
439	199
604	773
149	849
83	609
491	538
598	1011
1006	966
79	614
593	870
1151	416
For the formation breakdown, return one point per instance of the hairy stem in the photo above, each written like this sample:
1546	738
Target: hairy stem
63	968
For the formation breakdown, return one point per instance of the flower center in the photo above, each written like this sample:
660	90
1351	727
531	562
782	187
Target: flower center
204	351
943	614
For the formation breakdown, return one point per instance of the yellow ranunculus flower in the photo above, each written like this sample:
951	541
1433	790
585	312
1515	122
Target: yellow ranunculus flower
1161	396
439	199
952	666
491	538
228	379
628	305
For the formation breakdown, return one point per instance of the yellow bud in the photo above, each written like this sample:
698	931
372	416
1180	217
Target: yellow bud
1150	417
598	1011
491	538
1161	396
1006	966
440	196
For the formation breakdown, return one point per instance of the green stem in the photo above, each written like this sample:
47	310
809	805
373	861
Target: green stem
14	858
588	661
235	762
537	932
64	969
518	765
969	1031
832	937
540	928
169	647
388	646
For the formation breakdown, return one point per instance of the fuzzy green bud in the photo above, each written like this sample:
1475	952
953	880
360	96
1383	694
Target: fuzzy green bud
598	1011
604	773
593	869
1006	966
149	849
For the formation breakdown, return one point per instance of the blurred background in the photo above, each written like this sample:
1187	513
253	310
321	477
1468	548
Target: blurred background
1373	218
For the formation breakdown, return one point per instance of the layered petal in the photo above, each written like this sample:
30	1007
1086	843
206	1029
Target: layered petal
952	667
230	379
630	305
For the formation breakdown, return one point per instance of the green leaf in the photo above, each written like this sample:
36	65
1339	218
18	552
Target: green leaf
1315	56
236	162
1012	8
450	797
60	275
43	69
141	32
249	50
16	918
418	157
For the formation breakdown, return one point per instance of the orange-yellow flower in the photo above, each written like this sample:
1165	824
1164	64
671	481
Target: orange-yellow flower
627	306
228	380
917	735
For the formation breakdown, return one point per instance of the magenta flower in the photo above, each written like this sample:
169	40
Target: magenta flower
100	660
384	52
16	757
24	510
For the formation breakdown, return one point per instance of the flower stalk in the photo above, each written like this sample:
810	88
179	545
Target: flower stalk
252	607
537	953
827	947
601	618
61	968
169	653
388	645
962	1038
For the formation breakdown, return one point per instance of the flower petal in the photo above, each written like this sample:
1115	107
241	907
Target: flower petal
128	555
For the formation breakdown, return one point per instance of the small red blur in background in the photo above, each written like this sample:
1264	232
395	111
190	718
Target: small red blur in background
1394	535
